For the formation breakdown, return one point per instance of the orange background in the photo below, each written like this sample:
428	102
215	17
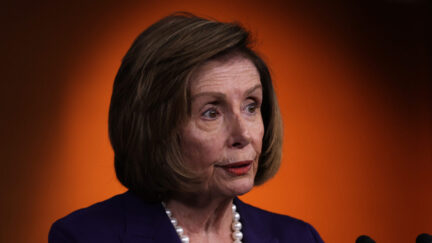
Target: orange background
353	82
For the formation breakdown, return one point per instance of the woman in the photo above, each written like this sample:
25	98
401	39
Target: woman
194	122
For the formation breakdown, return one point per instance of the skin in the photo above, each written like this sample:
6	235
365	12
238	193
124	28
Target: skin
225	127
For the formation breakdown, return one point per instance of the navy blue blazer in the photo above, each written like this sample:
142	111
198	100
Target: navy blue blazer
127	218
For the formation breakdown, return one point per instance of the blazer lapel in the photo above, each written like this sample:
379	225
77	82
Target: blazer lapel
147	222
165	231
253	229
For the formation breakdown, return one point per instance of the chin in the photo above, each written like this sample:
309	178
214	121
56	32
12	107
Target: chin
241	186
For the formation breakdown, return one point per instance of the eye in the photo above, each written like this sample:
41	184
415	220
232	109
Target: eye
252	107
210	114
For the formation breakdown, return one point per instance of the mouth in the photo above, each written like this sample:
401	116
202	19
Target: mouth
237	168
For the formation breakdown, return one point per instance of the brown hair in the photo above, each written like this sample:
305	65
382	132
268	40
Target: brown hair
150	102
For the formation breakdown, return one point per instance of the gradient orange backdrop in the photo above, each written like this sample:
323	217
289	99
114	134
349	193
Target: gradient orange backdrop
353	82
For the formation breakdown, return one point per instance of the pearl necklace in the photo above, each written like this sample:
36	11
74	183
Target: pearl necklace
236	226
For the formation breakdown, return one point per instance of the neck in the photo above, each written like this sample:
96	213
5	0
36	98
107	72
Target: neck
200	215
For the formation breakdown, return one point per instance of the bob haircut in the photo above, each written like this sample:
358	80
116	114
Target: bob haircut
150	103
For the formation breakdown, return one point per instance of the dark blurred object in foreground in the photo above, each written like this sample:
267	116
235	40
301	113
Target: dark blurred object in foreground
424	238
364	239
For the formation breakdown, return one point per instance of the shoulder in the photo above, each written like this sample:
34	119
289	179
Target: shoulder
283	227
101	221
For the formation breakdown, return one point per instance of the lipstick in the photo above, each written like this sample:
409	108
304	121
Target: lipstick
238	168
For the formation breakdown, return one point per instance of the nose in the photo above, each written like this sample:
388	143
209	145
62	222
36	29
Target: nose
239	132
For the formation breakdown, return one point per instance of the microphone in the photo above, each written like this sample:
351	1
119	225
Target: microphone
365	239
424	238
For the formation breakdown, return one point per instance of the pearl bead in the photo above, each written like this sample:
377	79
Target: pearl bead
184	239
236	216
237	235
236	226
179	230
174	221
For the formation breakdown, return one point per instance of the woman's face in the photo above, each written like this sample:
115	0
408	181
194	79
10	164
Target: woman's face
222	139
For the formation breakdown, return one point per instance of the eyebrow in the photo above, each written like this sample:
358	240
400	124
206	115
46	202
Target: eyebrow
251	90
221	95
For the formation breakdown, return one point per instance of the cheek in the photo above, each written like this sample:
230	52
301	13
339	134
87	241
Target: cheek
199	149
258	135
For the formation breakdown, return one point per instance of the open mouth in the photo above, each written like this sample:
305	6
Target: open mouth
238	168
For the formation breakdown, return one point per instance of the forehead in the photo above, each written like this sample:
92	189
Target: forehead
232	72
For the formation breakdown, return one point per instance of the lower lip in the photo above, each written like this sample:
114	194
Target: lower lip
238	171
